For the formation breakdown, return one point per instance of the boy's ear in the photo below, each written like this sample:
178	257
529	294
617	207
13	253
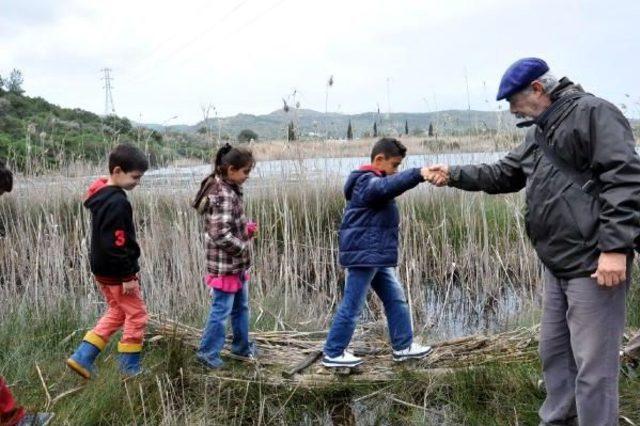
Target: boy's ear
379	157
116	170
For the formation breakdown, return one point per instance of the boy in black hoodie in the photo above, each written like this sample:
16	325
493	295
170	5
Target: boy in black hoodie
114	262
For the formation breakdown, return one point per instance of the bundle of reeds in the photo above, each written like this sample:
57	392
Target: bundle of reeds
293	355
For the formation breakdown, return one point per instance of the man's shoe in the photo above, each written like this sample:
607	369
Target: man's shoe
347	359
414	351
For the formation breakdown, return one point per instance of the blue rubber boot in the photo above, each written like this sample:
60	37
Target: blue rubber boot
130	358
83	358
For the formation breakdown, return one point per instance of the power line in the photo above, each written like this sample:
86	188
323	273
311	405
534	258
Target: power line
108	96
225	35
180	48
158	48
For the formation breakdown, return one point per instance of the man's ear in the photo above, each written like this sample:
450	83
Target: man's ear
537	87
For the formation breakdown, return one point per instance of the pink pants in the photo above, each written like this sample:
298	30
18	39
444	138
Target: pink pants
125	310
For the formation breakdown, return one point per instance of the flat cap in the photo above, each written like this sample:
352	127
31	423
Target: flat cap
519	75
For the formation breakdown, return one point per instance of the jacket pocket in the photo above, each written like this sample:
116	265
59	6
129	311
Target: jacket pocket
584	210
552	228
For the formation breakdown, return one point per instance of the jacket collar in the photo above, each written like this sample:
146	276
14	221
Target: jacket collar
562	98
370	168
232	186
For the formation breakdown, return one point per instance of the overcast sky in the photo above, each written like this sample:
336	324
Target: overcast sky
169	58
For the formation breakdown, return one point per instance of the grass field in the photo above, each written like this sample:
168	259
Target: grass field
466	265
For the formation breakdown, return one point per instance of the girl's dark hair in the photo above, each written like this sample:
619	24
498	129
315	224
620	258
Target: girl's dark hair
231	156
225	157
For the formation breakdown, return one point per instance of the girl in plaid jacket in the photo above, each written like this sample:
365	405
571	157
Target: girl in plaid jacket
228	236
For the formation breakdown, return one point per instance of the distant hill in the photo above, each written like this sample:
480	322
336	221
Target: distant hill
311	124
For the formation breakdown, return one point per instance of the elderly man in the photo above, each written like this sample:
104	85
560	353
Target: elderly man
582	177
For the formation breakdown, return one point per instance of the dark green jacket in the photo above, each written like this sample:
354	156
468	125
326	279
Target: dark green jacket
569	228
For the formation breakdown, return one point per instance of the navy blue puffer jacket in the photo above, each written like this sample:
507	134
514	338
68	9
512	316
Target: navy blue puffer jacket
369	229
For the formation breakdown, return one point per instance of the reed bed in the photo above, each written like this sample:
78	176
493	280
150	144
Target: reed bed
463	255
291	357
465	263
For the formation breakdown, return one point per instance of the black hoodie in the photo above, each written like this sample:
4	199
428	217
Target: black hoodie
114	251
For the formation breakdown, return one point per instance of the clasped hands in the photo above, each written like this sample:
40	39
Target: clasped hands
437	175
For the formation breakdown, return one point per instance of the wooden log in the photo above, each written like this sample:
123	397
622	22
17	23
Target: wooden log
310	359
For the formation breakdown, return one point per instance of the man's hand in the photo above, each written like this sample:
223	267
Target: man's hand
437	175
129	287
612	269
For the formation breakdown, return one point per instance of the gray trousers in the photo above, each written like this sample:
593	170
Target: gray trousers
580	338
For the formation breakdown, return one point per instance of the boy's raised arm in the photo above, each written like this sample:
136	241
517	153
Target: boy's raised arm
389	187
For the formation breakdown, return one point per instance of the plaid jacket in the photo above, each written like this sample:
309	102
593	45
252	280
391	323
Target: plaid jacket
227	242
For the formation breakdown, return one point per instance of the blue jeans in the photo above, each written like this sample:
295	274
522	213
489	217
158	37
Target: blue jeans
386	285
213	335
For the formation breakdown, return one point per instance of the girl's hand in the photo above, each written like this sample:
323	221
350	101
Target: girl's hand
251	229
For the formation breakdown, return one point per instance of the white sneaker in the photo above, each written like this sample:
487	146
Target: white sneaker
347	359
415	351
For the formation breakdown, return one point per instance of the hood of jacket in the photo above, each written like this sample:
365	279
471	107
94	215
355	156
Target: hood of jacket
99	193
352	179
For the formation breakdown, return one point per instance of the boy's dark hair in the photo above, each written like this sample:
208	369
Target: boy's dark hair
128	158
6	178
389	147
232	156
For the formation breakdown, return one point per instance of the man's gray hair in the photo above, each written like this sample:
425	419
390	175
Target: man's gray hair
548	81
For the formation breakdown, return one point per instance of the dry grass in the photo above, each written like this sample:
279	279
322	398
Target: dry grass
283	150
463	255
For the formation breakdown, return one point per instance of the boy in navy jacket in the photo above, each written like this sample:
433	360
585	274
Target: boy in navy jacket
369	251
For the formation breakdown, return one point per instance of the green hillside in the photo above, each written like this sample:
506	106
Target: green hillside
35	135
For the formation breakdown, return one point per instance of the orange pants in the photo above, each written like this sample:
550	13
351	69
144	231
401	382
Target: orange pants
126	311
